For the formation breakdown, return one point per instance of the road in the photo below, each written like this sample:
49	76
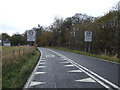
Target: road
62	69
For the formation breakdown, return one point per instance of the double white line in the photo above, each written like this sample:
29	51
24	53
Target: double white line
104	82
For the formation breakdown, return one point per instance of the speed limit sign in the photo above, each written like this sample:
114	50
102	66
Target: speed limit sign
88	36
31	32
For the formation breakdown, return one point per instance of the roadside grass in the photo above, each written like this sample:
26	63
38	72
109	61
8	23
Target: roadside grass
11	47
102	56
14	52
16	71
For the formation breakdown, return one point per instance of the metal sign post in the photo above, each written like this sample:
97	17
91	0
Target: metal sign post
87	38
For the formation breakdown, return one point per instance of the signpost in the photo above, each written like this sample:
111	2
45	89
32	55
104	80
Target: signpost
31	36
87	38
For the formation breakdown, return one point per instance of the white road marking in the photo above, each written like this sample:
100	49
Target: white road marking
68	65
86	80
64	62
43	60
33	83
50	55
40	72
41	66
75	71
41	63
92	74
64	59
106	60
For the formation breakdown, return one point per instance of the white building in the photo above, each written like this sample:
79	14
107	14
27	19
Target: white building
6	43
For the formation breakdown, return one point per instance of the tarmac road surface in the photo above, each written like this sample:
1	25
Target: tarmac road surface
62	69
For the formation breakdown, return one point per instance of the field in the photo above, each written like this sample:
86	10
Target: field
17	64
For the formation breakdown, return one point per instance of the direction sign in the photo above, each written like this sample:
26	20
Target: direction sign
88	36
31	35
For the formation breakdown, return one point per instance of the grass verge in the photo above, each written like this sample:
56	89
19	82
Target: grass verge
102	56
16	72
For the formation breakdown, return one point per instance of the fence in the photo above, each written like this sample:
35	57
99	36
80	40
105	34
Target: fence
17	53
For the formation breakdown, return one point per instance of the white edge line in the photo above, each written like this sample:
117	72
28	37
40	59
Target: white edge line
115	86
105	60
32	74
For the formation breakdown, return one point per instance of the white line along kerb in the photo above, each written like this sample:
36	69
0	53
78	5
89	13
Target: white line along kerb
90	73
32	74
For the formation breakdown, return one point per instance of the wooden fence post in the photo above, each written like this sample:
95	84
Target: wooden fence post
23	51
13	52
19	51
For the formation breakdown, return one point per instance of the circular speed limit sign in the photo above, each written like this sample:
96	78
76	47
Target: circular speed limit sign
88	33
31	32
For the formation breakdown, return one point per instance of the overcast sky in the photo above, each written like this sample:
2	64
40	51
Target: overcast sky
21	15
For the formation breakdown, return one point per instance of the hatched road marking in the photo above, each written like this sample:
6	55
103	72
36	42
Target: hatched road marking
104	82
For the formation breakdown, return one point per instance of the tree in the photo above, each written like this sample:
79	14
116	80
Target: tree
4	37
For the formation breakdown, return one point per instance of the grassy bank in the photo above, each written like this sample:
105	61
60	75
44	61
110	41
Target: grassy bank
102	56
16	71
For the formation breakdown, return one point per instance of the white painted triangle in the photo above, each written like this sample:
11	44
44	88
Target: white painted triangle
86	80
68	65
41	66
53	55
75	71
33	83
64	59
40	72
41	63
64	62
42	60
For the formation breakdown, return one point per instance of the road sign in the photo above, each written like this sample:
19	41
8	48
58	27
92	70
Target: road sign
88	36
31	35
